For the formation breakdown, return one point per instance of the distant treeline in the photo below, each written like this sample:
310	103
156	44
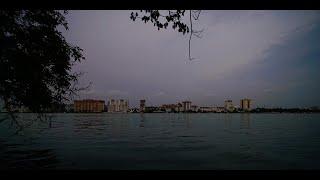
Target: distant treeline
285	110
257	110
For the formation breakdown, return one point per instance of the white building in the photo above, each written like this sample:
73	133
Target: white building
194	108
228	105
245	104
205	109
186	106
211	109
119	105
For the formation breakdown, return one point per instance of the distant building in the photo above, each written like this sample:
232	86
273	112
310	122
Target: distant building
205	109
194	108
123	105
314	108
88	105
221	109
168	107
186	106
111	106
245	104
211	109
151	109
118	105
179	107
228	105
142	105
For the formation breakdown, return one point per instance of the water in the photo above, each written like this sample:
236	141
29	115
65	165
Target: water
163	141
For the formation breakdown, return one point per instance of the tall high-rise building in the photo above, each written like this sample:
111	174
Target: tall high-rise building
142	105
111	106
88	105
120	105
123	105
245	104
186	105
228	105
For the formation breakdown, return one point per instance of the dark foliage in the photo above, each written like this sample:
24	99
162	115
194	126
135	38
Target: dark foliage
285	110
35	59
172	17
162	21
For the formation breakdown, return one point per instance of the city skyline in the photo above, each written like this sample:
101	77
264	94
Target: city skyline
244	103
271	56
121	106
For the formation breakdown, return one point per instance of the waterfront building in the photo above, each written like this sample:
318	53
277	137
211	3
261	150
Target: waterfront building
88	105
314	108
208	109
142	105
228	105
220	109
205	109
111	106
169	107
151	109
245	104
212	109
179	107
186	106
123	105
120	105
194	108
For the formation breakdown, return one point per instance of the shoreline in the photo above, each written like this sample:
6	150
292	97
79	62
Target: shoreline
166	113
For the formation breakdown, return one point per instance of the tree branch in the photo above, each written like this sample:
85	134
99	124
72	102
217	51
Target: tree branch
198	34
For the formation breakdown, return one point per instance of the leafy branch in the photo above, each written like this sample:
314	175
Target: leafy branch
162	21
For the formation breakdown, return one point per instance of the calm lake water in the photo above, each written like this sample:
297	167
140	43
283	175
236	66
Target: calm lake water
163	141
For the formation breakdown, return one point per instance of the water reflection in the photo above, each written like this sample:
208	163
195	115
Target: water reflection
50	122
84	124
215	141
227	121
142	119
25	124
187	119
18	155
245	121
30	159
179	120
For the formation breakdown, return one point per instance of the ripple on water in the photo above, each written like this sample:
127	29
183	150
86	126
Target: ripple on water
165	141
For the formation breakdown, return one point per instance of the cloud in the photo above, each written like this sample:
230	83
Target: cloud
241	38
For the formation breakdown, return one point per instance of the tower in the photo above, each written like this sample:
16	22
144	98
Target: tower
142	105
245	104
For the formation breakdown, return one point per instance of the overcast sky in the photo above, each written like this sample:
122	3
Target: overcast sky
271	57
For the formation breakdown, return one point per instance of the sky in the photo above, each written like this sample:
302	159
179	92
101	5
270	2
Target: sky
271	57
